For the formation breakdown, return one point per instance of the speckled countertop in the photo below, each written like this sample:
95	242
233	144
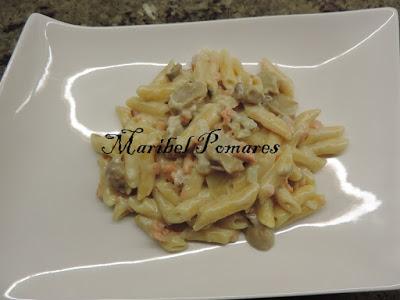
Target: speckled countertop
13	15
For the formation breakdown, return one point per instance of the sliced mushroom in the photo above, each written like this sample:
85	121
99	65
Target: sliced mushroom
115	175
260	237
174	126
242	126
248	95
174	72
227	100
185	95
254	96
239	92
230	163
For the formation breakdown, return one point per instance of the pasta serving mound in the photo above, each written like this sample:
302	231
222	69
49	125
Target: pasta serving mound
212	196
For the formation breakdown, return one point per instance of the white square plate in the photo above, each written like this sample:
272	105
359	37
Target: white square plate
63	82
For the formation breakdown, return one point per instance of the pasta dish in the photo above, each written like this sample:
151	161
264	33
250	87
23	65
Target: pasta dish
246	160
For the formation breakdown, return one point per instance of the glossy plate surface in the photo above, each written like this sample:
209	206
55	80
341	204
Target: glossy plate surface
63	82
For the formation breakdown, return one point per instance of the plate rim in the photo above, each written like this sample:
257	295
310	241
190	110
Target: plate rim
37	16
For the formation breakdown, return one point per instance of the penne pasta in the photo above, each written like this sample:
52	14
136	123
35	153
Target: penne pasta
306	157
265	212
275	80
216	210
146	207
182	212
273	178
228	76
101	144
235	222
121	209
159	93
148	107
304	193
286	200
167	239
324	133
213	234
206	69
192	185
167	189
329	147
211	150
269	121
316	203
208	116
306	117
124	115
281	215
147	175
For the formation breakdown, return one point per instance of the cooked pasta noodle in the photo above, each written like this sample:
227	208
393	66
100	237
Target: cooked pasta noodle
228	188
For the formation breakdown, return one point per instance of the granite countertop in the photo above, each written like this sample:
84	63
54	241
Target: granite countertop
13	15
